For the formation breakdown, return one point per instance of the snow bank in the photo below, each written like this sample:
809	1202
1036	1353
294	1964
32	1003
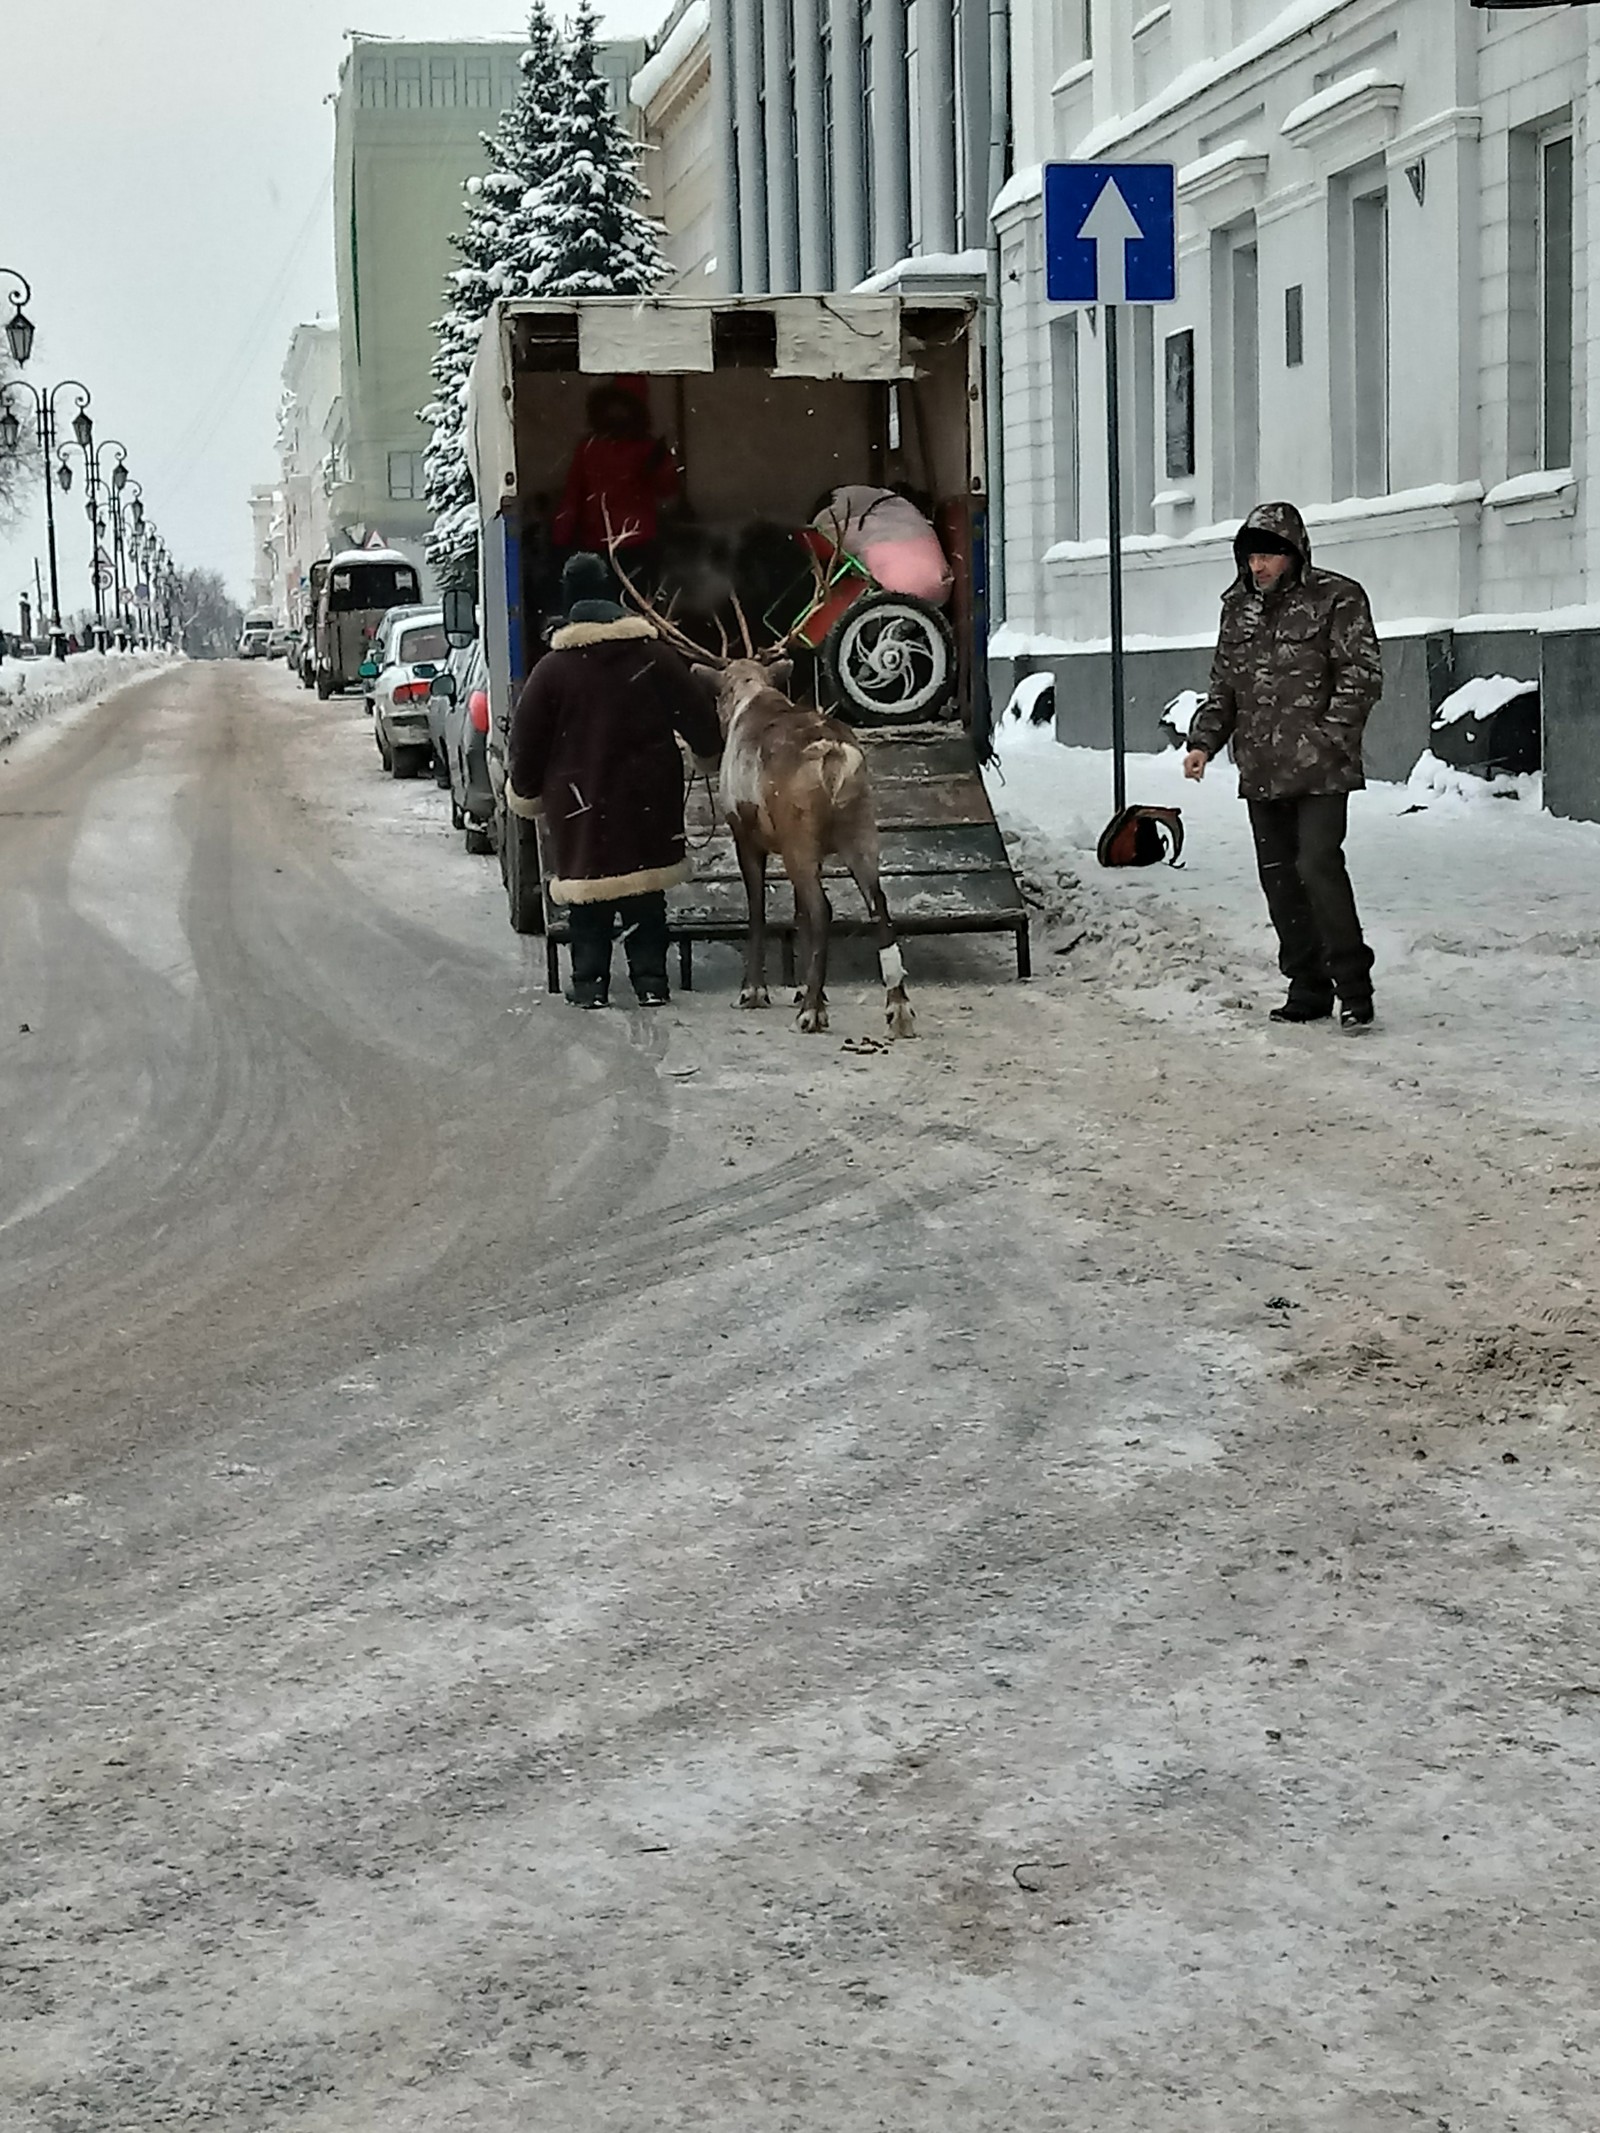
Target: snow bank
35	689
1431	778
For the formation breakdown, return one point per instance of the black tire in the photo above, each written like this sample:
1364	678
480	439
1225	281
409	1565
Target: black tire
519	854
890	658
479	838
324	686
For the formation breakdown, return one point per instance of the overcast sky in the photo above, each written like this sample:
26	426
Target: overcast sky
165	177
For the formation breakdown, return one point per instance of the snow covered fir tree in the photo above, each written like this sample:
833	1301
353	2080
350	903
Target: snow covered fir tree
585	231
494	246
556	214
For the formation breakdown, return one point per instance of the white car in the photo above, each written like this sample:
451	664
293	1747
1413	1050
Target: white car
414	650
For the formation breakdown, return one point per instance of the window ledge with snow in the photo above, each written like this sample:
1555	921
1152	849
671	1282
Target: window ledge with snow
1080	71
1547	493
1347	121
1223	186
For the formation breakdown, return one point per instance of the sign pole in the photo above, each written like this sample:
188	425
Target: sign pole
1109	314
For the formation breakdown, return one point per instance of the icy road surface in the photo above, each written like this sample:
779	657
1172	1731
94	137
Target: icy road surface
640	1572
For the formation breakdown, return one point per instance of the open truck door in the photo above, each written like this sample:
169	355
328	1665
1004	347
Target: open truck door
784	418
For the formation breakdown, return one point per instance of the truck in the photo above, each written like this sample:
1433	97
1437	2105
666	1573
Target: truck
350	593
773	408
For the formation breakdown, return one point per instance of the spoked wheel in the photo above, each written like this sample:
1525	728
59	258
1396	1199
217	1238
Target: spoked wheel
890	657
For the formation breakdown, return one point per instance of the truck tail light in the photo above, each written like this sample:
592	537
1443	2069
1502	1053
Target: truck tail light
478	710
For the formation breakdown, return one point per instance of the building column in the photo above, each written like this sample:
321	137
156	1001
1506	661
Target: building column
851	241
891	145
725	146
783	216
815	264
751	151
936	123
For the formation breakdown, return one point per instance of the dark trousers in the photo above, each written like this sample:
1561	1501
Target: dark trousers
1300	857
644	942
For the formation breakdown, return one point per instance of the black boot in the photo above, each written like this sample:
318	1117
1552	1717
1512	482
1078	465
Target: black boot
1294	1010
1356	1015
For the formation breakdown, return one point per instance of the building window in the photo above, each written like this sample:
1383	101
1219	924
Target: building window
1138	353
829	193
1555	299
374	85
1077	31
442	83
477	83
408	84
1064	420
869	145
1369	319
1294	327
405	476
1179	368
1235	371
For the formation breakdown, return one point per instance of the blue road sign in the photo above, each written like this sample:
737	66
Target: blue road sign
1110	233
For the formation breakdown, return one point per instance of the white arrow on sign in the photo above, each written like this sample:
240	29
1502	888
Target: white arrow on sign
1110	228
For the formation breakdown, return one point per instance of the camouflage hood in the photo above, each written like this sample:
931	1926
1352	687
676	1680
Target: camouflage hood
1284	523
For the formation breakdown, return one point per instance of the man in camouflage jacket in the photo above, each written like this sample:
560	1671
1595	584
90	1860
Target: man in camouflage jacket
1297	670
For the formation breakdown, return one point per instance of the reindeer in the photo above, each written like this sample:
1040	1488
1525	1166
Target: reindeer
794	785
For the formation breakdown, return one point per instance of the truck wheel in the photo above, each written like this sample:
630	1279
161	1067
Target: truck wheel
520	853
890	657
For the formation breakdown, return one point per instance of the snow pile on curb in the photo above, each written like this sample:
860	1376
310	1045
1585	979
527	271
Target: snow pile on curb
35	689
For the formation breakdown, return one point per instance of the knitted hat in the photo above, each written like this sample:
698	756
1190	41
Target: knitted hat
588	590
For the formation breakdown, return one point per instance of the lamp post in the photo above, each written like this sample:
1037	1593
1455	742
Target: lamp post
46	421
103	508
19	327
129	520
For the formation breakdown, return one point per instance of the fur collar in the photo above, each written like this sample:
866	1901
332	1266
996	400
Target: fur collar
574	635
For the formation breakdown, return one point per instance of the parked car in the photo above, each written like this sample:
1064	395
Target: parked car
278	644
459	703
414	651
382	641
255	637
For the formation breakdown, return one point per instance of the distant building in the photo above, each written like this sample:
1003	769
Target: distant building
672	95
264	582
408	126
311	456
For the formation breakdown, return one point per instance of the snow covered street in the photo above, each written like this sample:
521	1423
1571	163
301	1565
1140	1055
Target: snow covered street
636	1571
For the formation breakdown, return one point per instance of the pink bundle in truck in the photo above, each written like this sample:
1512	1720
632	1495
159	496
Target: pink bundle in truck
891	540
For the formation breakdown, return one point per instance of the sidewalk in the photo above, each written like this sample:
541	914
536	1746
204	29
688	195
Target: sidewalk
1482	910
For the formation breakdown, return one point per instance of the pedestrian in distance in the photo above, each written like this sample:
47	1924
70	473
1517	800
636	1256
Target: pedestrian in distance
1296	674
594	751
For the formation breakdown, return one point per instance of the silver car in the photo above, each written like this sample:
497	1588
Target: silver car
460	705
413	652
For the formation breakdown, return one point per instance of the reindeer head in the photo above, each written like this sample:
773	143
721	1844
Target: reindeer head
735	682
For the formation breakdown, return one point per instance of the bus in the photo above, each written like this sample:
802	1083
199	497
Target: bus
351	592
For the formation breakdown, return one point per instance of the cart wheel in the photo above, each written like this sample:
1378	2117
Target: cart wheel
891	656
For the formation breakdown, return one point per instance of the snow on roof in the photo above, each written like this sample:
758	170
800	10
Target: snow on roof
370	555
1349	91
1480	698
676	48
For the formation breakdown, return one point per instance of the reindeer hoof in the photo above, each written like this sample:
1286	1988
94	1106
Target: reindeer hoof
813	1019
902	1022
755	996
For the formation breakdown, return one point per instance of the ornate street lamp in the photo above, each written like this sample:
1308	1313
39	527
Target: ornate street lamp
19	327
46	424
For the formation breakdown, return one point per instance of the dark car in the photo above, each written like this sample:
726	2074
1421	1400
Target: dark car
460	715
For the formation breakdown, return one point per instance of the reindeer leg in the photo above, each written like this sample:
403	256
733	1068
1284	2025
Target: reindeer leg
861	857
811	904
753	866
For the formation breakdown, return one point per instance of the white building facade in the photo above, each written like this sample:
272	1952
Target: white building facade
310	458
1388	212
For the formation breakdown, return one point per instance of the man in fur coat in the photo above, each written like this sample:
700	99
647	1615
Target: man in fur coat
594	750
